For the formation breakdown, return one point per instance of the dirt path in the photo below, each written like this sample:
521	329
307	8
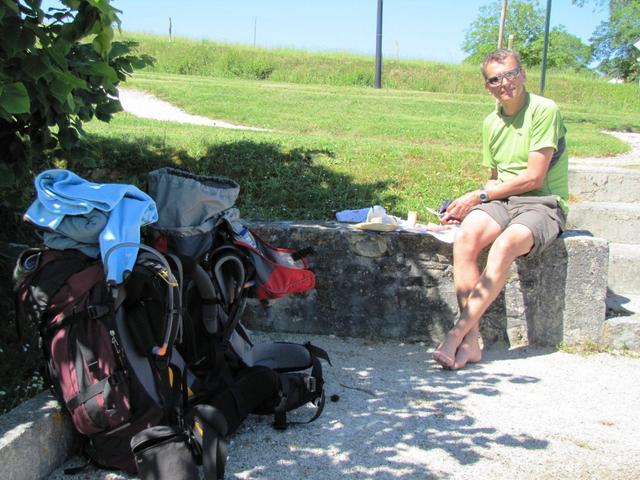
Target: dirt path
632	157
145	105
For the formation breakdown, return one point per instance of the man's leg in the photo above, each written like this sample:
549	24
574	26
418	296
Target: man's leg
476	232
465	276
515	241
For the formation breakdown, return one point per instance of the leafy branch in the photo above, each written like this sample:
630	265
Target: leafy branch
58	69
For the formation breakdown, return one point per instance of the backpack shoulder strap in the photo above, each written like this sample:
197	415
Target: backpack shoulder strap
38	276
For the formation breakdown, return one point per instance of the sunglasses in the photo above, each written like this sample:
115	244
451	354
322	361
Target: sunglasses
497	80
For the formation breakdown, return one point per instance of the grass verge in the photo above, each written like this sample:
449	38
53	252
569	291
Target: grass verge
589	347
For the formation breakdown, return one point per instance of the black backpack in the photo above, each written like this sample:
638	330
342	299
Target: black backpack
108	351
224	265
218	349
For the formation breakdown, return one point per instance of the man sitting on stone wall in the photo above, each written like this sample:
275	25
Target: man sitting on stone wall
521	209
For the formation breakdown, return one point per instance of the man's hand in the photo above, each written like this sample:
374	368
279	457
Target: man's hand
460	207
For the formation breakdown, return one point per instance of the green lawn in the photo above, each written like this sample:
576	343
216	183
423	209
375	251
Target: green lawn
211	59
330	148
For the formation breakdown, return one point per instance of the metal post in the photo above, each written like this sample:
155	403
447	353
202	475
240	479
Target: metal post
637	45
503	15
255	27
378	79
546	47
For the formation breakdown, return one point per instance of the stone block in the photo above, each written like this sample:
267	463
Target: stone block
622	333
400	285
614	221
572	282
604	184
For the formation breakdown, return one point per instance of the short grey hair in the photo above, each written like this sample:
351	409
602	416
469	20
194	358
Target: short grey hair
499	55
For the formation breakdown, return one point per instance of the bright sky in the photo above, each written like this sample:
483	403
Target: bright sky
425	29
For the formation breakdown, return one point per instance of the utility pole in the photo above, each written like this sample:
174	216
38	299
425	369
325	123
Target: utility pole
169	29
378	79
546	47
637	45
503	16
255	27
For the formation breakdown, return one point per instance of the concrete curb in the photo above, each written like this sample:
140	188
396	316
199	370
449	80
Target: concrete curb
624	265
35	438
617	222
604	184
622	333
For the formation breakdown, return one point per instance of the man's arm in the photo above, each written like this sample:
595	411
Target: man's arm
531	179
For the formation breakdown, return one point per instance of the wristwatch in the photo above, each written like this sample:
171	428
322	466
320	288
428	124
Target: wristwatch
484	196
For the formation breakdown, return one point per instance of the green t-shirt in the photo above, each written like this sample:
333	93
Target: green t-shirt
507	142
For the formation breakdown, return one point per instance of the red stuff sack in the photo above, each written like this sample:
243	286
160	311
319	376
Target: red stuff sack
278	271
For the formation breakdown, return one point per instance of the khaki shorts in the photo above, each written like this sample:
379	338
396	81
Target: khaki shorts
542	215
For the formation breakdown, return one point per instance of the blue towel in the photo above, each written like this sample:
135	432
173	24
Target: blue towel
61	193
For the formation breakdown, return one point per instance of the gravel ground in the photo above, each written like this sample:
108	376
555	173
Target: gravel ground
529	414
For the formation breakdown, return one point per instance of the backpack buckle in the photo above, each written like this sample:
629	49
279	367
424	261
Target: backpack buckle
280	413
311	384
117	377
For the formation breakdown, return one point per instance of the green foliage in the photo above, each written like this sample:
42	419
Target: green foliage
565	50
524	20
58	69
613	41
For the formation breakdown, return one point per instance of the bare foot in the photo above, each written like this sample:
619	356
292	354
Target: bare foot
468	352
445	354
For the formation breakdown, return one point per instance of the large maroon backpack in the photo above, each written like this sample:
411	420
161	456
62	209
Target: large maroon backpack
108	350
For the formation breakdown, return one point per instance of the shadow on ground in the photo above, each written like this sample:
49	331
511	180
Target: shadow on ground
275	183
399	416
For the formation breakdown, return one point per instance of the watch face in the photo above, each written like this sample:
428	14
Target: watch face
484	197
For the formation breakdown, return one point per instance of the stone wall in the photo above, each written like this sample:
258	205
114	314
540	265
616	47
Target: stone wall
400	285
